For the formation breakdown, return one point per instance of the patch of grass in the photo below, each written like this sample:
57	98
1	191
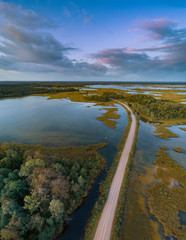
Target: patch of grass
166	199
163	148
136	215
108	116
177	149
170	94
163	132
182	128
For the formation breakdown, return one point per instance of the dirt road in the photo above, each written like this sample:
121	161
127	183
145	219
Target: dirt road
104	228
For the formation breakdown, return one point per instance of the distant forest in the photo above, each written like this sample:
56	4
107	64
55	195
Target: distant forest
24	89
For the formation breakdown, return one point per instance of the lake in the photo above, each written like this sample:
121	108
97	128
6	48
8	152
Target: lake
56	122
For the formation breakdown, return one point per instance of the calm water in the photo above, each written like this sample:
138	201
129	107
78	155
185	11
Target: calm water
55	122
155	87
131	88
36	120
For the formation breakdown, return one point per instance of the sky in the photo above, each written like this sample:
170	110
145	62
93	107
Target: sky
93	40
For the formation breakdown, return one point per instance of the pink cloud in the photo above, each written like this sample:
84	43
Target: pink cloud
133	30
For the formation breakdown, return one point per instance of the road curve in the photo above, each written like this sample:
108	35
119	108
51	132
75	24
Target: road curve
104	227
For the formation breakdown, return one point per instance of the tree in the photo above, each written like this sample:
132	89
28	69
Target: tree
36	222
9	234
15	189
28	167
9	206
31	202
57	209
48	182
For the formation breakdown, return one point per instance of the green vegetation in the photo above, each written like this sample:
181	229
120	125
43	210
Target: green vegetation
177	149
136	220
168	94
105	186
151	108
167	196
182	128
108	115
21	91
163	148
164	132
155	109
41	186
99	98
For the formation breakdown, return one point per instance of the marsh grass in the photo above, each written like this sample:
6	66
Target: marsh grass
165	198
177	149
163	132
182	128
108	116
136	223
163	148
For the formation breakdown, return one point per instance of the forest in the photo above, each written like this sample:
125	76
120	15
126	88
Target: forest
20	91
41	186
155	109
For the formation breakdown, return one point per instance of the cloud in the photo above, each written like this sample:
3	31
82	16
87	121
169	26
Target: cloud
123	61
33	47
162	29
12	14
27	45
81	13
169	54
173	45
66	12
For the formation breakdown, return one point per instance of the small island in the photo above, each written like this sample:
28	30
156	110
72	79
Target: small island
163	148
177	149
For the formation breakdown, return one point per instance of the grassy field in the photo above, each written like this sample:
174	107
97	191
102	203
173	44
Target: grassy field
169	191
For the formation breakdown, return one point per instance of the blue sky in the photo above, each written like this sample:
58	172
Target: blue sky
93	40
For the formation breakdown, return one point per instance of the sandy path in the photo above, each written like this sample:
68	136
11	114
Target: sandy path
104	227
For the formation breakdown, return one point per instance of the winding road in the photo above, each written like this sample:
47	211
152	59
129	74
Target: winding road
103	231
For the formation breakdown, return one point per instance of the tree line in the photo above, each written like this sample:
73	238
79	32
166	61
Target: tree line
25	91
150	107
